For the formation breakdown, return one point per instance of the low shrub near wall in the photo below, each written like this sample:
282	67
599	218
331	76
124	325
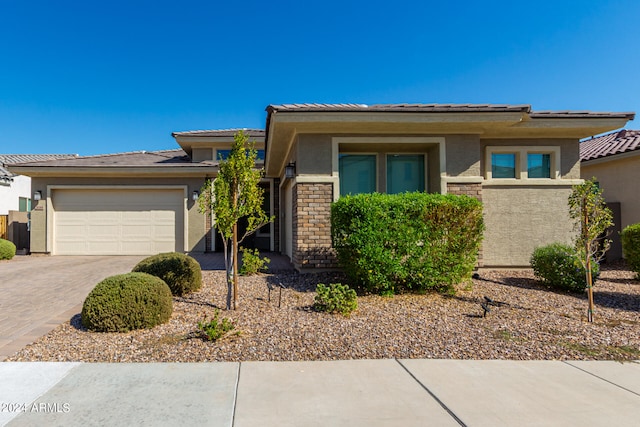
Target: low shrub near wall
559	266
407	242
7	249
631	246
181	272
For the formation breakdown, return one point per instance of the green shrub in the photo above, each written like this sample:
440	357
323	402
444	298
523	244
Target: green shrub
252	263
126	302
7	249
407	242
335	298
216	329
631	246
181	272
559	266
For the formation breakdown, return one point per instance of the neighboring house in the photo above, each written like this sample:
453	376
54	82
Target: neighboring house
15	190
614	160
521	164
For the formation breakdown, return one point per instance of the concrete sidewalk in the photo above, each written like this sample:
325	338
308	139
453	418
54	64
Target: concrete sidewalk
338	393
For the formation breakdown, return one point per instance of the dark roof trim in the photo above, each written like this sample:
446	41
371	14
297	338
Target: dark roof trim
220	133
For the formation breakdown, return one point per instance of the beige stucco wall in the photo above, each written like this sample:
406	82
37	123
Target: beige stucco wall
313	155
620	182
463	155
196	231
518	219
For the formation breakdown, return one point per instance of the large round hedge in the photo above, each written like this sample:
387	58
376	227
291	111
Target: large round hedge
127	301
181	272
7	249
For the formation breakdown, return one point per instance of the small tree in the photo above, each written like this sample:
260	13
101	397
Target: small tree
592	218
235	194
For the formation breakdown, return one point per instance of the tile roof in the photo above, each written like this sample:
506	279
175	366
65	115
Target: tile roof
436	108
220	132
175	157
619	142
445	108
9	159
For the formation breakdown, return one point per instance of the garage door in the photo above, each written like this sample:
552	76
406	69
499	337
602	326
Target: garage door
117	222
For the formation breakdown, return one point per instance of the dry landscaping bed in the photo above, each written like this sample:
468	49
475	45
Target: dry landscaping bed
534	323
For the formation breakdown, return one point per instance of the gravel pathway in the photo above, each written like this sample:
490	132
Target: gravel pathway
533	323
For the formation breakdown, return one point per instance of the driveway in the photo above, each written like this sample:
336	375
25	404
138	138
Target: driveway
37	293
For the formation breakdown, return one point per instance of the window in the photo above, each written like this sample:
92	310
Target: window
522	162
357	173
24	204
224	154
538	165
503	165
405	173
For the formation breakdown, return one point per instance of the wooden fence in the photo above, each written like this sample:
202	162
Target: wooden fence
4	220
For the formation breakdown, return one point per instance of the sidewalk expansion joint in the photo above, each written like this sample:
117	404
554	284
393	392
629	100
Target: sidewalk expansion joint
235	396
440	402
600	378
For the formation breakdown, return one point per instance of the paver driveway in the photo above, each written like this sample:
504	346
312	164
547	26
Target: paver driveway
37	293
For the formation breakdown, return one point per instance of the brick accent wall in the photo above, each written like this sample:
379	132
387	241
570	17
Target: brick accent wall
311	223
472	190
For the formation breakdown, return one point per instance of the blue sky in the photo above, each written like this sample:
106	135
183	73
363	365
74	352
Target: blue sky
100	77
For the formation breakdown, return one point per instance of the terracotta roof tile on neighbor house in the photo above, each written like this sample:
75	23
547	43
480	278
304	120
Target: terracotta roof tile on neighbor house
221	132
619	142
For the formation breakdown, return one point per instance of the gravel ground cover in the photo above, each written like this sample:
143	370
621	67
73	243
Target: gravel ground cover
533	323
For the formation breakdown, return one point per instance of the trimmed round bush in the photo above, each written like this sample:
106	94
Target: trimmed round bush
126	302
181	272
631	246
7	249
559	266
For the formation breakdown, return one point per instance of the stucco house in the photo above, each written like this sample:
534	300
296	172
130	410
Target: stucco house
614	160
520	163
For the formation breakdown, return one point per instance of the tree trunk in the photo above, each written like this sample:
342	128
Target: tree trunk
234	246
587	250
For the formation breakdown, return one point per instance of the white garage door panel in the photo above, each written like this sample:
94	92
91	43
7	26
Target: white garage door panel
117	222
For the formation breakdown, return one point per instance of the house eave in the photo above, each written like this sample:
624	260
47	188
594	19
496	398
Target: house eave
122	172
610	158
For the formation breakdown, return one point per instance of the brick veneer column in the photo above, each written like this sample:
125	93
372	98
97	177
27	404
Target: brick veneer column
472	190
311	224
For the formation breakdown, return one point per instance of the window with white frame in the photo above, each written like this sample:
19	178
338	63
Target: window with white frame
523	163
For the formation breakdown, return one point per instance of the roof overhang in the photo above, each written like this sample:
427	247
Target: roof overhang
213	139
283	126
116	172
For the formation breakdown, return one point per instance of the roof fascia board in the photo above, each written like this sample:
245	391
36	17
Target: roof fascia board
62	171
395	117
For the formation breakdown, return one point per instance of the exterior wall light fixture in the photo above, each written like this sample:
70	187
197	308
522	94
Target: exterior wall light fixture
290	170
195	195
37	195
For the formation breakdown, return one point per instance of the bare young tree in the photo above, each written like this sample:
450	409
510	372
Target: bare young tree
592	219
